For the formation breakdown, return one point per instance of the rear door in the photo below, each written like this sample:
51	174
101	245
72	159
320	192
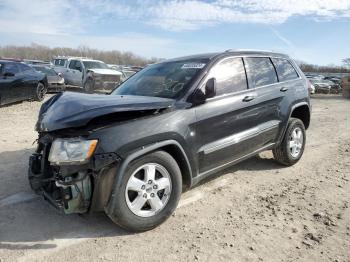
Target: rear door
225	122
291	85
262	79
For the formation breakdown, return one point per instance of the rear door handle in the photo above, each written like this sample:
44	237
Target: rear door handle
284	89
248	98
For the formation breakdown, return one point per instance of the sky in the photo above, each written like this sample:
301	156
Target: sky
314	31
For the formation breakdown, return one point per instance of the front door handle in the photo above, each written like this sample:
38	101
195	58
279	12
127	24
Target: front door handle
284	89
248	98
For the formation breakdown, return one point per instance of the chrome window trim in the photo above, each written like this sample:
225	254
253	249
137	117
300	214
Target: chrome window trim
248	89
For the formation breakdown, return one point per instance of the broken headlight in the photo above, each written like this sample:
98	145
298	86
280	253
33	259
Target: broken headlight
71	150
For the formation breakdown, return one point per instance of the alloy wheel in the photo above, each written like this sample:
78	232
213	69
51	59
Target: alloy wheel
148	190
296	142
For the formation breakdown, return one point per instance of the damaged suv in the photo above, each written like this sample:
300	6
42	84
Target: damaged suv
132	153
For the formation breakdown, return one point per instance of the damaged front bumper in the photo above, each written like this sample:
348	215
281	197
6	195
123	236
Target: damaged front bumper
72	188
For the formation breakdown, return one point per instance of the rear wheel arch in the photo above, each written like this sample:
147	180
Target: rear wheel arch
302	112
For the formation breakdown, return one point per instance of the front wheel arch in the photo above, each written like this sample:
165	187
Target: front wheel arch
120	211
172	147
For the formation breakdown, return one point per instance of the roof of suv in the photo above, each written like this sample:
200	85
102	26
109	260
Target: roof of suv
231	52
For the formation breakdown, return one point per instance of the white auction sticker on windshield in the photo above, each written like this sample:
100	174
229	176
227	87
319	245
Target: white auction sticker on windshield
193	65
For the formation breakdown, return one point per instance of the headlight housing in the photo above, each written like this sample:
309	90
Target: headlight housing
71	150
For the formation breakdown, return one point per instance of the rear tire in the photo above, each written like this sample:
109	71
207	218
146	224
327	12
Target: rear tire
142	203
292	146
41	91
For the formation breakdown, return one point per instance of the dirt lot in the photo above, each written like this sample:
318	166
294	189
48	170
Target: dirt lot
255	211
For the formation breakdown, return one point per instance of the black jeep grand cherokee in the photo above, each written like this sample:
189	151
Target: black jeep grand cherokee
133	152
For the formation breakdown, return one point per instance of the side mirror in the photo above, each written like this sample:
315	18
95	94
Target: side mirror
78	68
201	95
8	74
210	88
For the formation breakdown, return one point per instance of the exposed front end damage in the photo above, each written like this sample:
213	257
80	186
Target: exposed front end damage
72	167
69	187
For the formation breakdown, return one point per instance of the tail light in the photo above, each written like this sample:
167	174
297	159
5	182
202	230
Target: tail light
309	86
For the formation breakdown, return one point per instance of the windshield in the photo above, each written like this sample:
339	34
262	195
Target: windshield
95	64
166	79
45	70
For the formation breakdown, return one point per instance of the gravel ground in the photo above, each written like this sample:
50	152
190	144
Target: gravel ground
254	211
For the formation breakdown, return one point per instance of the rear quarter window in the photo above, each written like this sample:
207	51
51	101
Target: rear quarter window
285	70
260	71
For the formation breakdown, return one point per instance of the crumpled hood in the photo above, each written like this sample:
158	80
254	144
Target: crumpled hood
68	109
105	71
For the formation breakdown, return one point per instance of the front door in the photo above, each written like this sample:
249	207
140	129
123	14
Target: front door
74	74
225	123
11	84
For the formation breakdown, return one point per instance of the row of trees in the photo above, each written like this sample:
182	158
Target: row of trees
40	52
323	69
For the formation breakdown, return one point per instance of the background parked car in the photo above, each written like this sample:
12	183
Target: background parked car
328	84
92	75
20	82
55	80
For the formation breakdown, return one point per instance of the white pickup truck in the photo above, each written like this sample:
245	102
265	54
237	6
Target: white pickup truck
92	75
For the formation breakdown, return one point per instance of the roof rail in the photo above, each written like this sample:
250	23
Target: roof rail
67	57
251	50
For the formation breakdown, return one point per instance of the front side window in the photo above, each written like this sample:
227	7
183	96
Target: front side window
230	76
25	68
285	70
260	71
72	64
167	79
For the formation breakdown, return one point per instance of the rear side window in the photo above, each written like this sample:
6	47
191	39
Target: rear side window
285	70
260	71
11	68
230	76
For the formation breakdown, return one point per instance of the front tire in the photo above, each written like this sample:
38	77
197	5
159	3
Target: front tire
89	86
148	192
40	93
292	146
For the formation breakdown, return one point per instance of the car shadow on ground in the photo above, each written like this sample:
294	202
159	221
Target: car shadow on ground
34	224
328	97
